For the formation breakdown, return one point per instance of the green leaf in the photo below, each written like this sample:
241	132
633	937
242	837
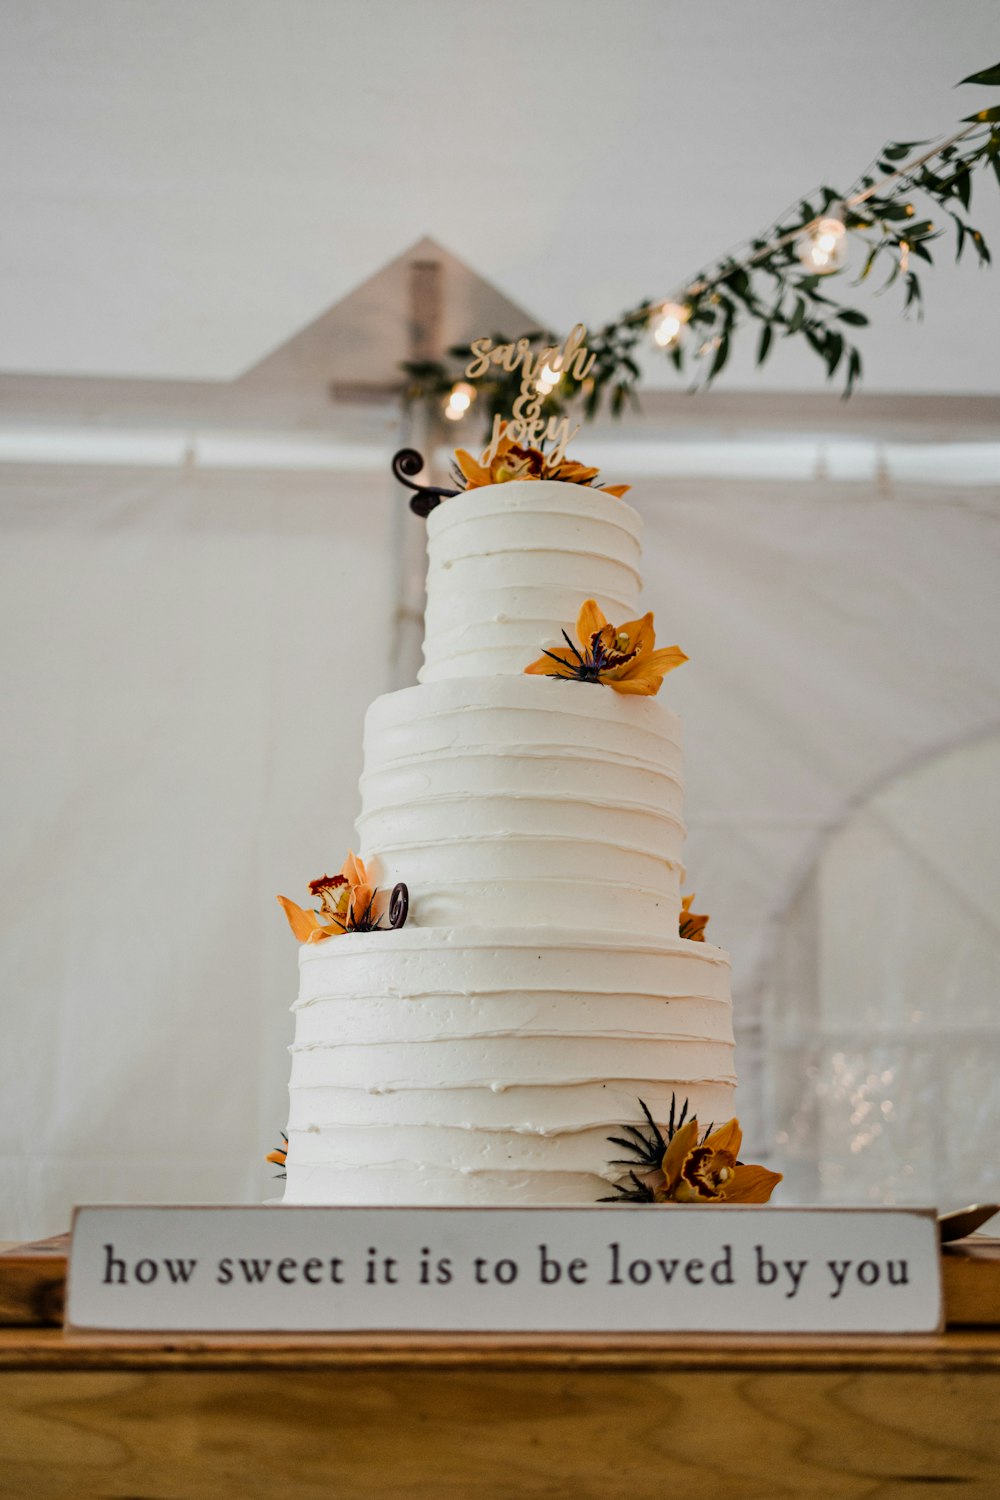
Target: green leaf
834	350
798	316
852	316
985	258
899	149
960	233
990	77
870	261
983	117
816	340
923	252
766	334
913	295
853	371
721	355
962	186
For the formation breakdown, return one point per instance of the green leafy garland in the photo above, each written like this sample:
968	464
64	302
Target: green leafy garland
766	282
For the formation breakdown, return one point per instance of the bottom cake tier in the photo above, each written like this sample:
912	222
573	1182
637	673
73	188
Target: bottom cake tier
489	1066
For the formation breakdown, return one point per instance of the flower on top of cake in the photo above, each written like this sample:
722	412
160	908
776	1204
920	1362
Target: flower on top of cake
692	926
348	902
621	656
682	1164
510	462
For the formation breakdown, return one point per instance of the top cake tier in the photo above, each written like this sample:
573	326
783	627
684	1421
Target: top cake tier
509	566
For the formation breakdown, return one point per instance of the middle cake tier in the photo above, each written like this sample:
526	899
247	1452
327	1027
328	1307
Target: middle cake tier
525	801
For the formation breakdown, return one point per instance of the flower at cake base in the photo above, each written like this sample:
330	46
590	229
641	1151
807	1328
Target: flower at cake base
708	1172
348	902
511	462
692	926
673	1166
623	657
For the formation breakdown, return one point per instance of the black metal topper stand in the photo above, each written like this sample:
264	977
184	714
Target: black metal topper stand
405	466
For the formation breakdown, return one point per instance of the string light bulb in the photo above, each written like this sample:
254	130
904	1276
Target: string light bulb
460	398
824	248
548	379
670	318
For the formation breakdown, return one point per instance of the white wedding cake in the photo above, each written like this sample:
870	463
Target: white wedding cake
483	1052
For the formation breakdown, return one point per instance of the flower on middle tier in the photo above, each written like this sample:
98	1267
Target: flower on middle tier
348	902
692	924
622	656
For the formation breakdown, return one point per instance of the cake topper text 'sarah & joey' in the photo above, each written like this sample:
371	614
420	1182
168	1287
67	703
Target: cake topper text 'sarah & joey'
539	373
527	427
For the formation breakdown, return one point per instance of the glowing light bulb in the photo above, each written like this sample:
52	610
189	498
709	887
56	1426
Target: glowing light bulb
547	380
670	320
460	398
824	248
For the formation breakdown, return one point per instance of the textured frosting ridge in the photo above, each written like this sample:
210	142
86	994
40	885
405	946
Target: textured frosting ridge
509	566
526	800
483	1053
437	1066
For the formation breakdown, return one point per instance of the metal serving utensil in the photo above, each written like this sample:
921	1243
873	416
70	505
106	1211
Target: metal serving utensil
963	1221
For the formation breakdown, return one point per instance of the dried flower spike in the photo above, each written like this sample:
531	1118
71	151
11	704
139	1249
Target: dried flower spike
621	656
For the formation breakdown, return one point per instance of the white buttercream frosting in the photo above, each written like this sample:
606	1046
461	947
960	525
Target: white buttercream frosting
484	1053
509	566
433	1065
526	800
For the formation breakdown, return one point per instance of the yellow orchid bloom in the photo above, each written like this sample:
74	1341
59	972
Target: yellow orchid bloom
279	1154
622	656
710	1172
512	462
692	926
349	902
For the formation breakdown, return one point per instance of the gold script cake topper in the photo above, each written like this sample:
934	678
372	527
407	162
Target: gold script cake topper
526	425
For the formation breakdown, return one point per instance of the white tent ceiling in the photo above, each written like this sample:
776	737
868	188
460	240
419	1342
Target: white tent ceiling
185	184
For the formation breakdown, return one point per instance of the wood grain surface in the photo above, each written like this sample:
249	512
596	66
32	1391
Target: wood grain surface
52	1349
493	1417
99	1417
487	1434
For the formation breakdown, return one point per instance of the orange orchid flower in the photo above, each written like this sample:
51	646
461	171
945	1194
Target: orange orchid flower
512	462
621	656
692	926
710	1172
349	902
279	1153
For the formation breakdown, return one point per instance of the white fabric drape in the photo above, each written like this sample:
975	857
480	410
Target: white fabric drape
186	662
837	633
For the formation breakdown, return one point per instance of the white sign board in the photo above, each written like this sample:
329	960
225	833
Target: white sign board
632	1268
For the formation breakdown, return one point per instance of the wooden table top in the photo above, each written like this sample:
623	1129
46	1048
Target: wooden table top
40	1349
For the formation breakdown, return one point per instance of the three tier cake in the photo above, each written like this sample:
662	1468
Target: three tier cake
539	990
